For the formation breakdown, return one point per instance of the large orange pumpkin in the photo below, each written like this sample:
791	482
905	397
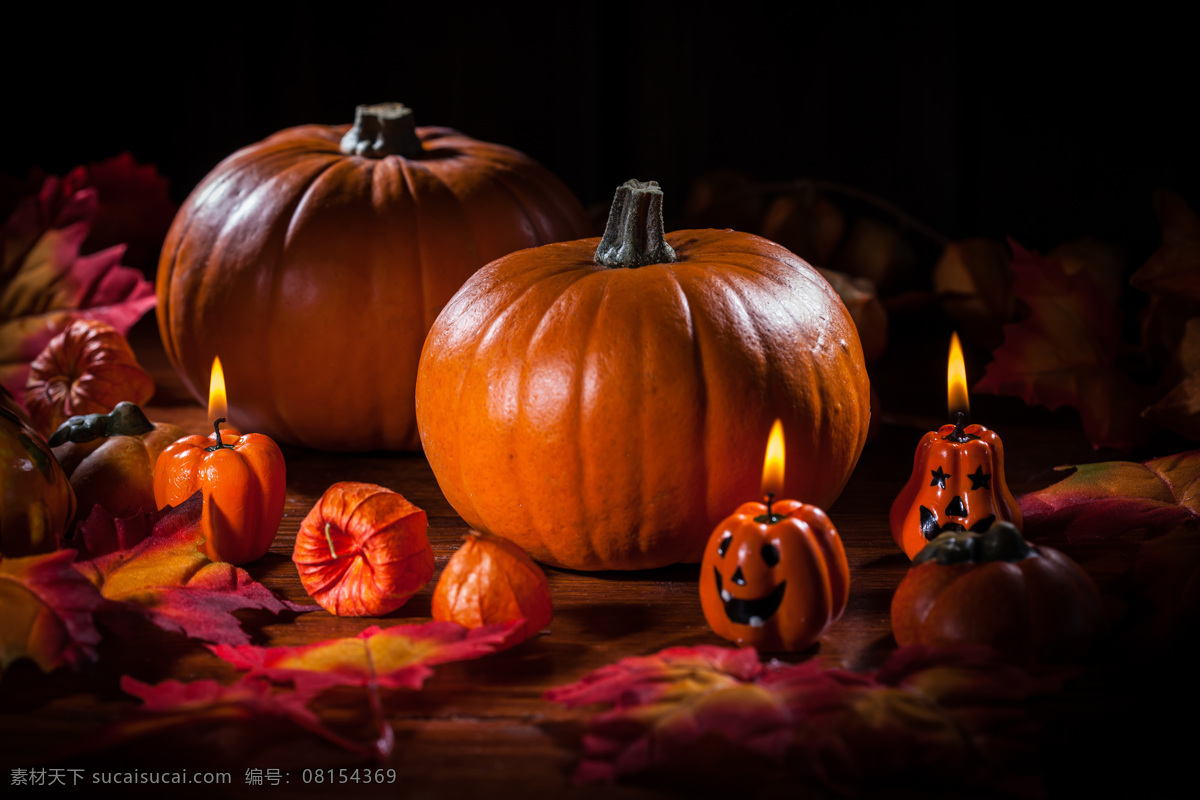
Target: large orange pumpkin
605	403
314	262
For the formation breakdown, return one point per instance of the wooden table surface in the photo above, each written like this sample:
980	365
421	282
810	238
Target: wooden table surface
482	726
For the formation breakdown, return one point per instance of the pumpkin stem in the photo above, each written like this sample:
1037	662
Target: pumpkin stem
220	443
126	419
634	234
383	129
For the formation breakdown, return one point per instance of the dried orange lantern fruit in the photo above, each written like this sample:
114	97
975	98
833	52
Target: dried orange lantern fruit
363	550
490	580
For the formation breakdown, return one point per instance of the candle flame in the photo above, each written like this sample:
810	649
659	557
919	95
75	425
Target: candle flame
218	405
956	379
772	479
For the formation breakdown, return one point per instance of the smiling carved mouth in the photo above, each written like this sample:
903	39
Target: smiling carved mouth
755	612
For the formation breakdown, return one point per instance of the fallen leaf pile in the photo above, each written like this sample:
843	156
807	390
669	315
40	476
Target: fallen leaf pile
160	572
48	276
400	657
149	566
930	717
153	567
49	610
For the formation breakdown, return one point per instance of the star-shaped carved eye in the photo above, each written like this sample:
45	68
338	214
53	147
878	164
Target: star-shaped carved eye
939	478
979	480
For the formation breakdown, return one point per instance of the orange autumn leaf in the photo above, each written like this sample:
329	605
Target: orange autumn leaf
1064	352
1114	499
396	657
46	612
155	566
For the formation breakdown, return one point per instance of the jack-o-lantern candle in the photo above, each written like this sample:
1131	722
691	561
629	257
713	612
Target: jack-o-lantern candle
774	576
957	482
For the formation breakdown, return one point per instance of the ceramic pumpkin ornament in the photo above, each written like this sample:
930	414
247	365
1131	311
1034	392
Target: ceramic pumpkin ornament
993	588
301	258
595	401
774	576
87	368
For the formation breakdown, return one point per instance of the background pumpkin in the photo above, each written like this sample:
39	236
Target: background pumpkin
317	259
608	417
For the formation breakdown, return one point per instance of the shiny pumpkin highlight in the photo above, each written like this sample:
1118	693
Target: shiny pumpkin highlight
599	402
315	261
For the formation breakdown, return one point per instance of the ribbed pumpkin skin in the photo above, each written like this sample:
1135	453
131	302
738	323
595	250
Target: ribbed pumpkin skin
315	275
610	418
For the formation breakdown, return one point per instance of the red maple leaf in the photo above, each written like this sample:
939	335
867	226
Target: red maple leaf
47	611
173	705
1064	352
396	657
688	714
160	571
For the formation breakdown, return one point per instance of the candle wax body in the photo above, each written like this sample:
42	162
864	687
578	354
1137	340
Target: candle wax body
957	483
775	585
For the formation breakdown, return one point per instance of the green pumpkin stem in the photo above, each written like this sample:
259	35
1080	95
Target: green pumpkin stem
634	235
220	442
384	129
126	419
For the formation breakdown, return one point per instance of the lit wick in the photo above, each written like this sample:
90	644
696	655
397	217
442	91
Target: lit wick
772	479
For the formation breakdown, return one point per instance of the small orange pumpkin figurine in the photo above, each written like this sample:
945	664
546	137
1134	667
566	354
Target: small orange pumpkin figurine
774	577
957	484
244	486
993	588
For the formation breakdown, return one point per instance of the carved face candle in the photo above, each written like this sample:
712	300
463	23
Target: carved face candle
957	481
774	576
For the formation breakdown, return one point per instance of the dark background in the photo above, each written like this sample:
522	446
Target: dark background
986	121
